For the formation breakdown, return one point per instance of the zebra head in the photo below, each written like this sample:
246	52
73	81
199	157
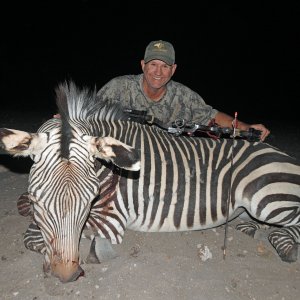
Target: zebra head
63	181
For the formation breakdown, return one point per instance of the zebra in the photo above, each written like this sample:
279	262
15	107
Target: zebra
93	169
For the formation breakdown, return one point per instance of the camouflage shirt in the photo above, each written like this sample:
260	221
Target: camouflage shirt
179	101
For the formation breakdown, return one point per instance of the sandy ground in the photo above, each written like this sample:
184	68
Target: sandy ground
187	265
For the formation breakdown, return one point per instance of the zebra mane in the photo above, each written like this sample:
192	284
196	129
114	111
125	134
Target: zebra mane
75	104
81	104
81	108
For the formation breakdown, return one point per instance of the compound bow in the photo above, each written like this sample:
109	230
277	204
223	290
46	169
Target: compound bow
187	128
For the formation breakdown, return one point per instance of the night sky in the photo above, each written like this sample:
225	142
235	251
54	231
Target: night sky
240	57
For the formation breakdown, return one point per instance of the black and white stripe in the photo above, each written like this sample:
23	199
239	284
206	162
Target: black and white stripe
183	183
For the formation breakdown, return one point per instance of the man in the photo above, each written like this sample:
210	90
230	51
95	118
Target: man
155	92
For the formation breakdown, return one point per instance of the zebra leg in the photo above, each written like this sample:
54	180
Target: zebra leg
249	228
254	229
285	240
24	205
33	239
101	250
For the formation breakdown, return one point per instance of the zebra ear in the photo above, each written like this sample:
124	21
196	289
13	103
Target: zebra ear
21	143
122	155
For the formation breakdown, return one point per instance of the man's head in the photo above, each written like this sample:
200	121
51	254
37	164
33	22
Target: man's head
160	50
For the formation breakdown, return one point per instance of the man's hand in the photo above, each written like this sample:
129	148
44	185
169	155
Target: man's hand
264	131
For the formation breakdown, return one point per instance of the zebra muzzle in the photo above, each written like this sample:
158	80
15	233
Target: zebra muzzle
67	272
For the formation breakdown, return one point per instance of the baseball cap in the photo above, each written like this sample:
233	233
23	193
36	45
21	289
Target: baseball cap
160	50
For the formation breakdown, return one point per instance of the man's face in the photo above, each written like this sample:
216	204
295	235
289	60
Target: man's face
157	73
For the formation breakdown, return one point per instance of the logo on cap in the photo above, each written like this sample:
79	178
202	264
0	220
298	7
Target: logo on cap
160	46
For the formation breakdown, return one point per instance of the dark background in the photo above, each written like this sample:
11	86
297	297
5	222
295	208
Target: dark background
239	56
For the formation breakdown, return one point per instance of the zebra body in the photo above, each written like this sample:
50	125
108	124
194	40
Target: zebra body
93	168
189	188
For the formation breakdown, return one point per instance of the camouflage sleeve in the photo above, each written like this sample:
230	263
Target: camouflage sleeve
193	107
201	112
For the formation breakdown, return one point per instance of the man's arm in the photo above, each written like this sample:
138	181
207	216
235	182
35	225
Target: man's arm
225	120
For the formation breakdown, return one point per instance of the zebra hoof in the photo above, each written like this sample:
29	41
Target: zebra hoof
285	244
92	257
100	251
291	255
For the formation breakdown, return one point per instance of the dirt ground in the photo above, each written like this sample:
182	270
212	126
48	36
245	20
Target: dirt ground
187	265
